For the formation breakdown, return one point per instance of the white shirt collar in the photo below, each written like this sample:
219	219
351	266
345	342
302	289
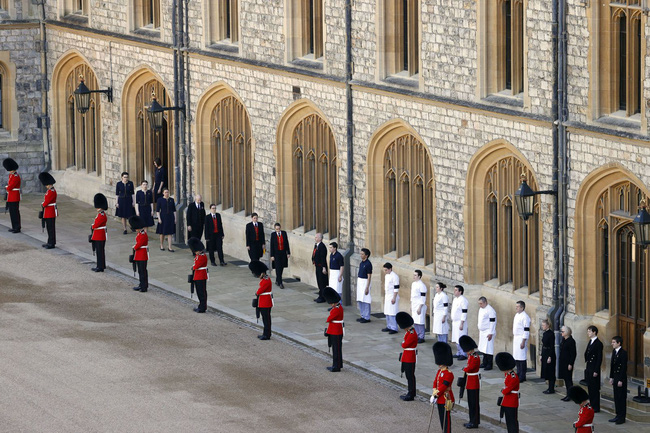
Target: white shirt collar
594	338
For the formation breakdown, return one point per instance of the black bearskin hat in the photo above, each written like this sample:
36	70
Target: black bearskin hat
442	354
578	394
100	201
404	320
467	343
46	179
505	361
257	268
195	245
9	164
331	296
136	222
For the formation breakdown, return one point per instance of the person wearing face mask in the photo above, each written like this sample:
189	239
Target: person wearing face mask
214	235
280	253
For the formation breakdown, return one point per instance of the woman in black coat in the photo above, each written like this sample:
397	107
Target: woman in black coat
567	358
124	191
547	359
166	209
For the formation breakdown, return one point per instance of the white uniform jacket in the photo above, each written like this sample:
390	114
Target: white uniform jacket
520	332
487	325
391	285
440	308
459	314
419	297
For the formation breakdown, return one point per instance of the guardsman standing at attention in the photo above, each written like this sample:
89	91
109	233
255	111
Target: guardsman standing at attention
408	358
264	296
99	231
200	269
442	395
510	404
419	304
141	251
487	326
50	211
585	423
13	194
473	383
335	328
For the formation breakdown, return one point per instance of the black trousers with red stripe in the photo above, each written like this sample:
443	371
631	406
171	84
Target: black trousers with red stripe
474	406
445	418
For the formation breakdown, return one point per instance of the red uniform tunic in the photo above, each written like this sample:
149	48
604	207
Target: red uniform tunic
141	247
13	188
335	321
264	293
409	344
585	419
200	267
99	227
442	382
511	390
473	363
49	204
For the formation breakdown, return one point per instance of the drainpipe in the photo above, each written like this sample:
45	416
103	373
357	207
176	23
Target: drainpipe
179	137
188	116
45	119
347	277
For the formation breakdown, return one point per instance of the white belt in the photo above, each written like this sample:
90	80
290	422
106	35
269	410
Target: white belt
52	204
101	228
147	247
267	293
199	269
472	374
586	425
514	392
410	348
337	321
16	189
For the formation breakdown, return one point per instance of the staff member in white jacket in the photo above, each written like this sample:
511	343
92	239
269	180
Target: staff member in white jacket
520	335
363	286
391	301
440	307
459	320
419	304
487	326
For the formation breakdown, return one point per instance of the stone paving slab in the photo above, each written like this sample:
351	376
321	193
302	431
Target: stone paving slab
297	317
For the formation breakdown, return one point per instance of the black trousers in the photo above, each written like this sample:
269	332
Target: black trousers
521	370
337	350
409	372
256	251
50	225
14	214
568	381
487	360
202	294
321	280
593	387
143	274
100	248
620	403
445	418
266	320
512	420
215	243
474	406
278	274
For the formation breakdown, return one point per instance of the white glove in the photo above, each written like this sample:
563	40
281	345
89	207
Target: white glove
432	399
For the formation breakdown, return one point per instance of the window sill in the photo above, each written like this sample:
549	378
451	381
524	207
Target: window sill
308	62
618	119
6	136
403	80
225	47
76	18
148	31
504	98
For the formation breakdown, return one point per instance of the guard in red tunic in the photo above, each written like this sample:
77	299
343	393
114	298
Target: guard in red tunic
510	404
13	194
49	209
585	423
140	251
473	382
264	296
335	327
408	356
443	395
99	231
200	271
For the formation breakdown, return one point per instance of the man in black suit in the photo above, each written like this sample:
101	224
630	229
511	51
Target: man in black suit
195	218
319	259
593	362
255	238
618	379
280	253
214	235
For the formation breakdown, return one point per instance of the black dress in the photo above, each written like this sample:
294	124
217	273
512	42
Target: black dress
160	180
144	200
548	351
567	357
124	194
167	208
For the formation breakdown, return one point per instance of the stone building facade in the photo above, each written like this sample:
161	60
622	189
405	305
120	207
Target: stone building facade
451	101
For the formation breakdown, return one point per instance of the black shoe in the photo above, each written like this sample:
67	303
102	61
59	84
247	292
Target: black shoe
224	264
124	232
144	290
385	330
214	263
99	270
49	247
462	358
455	356
199	311
17	231
583	383
406	397
93	269
11	231
549	391
319	300
392	331
613	419
362	320
596	411
359	319
420	340
44	245
566	398
265	338
470	425
281	286
620	421
488	368
137	289
481	366
333	370
260	336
